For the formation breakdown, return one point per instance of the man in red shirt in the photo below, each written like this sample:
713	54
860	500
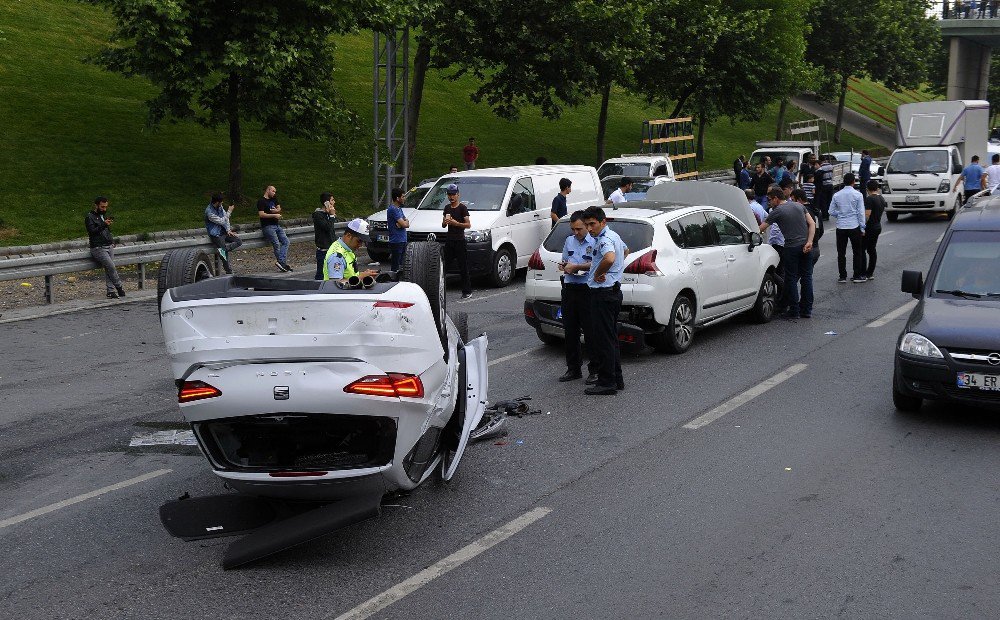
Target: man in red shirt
470	153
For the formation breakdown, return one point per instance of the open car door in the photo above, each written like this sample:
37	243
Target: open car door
471	411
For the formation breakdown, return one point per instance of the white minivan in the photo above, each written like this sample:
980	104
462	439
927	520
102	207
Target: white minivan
509	210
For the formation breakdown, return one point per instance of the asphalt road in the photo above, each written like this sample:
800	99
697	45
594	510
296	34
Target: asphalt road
813	499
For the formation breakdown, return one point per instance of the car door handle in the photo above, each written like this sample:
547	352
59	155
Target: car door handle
696	261
538	215
730	258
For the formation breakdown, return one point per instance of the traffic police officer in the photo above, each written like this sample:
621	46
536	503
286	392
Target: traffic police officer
604	280
578	250
341	262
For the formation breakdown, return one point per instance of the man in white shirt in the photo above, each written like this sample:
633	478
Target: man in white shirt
993	173
624	187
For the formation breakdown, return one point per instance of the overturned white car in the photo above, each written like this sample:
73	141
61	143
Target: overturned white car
309	391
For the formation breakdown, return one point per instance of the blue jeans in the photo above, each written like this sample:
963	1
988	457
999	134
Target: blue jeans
798	270
762	201
397	249
279	241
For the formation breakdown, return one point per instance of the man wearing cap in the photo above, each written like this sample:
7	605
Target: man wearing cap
341	262
604	281
456	220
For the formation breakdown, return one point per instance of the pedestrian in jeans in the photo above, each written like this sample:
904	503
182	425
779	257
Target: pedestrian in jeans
456	220
220	231
798	228
848	206
269	211
396	220
102	248
760	181
577	254
324	232
874	208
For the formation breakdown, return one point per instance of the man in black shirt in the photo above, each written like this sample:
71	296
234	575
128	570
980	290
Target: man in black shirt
324	218
559	202
102	247
456	219
761	181
269	211
874	208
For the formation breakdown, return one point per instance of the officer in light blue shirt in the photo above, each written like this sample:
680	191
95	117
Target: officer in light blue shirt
604	280
577	256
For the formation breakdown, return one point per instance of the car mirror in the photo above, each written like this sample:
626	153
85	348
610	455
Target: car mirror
913	283
881	171
956	169
755	240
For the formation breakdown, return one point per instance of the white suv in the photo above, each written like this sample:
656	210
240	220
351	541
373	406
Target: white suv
689	266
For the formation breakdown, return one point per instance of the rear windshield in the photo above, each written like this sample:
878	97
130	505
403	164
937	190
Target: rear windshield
478	193
969	265
636	235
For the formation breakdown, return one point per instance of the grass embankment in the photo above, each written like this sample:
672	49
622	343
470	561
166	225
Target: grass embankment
878	102
74	131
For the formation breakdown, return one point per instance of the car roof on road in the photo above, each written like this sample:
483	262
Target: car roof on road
984	215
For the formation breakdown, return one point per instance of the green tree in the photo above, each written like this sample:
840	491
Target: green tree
216	62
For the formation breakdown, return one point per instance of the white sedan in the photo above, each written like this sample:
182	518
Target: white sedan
694	261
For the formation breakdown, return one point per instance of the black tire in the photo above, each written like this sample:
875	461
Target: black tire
904	402
679	333
892	217
184	266
423	266
547	339
503	267
461	320
767	299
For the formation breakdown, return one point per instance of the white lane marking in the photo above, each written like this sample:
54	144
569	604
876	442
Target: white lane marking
512	356
379	602
472	299
81	498
895	314
940	237
741	399
163	438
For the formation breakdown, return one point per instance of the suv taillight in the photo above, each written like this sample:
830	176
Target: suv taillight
644	265
196	390
393	385
535	262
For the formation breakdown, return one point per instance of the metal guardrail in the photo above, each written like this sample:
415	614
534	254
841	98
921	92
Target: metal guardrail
48	261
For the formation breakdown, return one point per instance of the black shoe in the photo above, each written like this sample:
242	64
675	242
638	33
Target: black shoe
571	375
121	291
287	267
591	379
790	316
281	267
112	295
805	315
466	295
859	280
600	390
871	276
842	280
620	387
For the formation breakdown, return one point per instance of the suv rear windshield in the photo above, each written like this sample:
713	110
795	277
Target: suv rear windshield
636	235
478	193
969	265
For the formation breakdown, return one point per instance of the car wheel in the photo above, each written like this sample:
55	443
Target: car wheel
548	339
180	267
423	266
904	402
767	299
892	217
504	263
679	334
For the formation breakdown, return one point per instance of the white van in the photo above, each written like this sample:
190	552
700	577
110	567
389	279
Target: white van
509	210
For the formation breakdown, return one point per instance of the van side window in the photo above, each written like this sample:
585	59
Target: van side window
522	197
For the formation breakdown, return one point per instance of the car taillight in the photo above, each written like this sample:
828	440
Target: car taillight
644	265
393	385
535	262
196	390
529	310
392	304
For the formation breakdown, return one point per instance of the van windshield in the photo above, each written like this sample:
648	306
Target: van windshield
478	193
969	265
636	235
918	161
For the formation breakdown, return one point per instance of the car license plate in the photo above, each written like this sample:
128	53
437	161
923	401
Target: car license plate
972	380
382	238
912	198
559	312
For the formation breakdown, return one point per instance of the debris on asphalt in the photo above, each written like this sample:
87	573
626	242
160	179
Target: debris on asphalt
788	469
519	442
830	333
500	443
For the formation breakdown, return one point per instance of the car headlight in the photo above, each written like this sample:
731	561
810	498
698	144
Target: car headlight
915	344
945	187
477	236
885	187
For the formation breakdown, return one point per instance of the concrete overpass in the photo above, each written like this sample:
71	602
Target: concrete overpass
972	29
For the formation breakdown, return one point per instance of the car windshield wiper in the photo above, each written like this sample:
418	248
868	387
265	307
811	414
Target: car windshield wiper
960	293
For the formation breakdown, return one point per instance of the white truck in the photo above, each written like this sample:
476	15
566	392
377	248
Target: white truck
935	140
798	150
640	165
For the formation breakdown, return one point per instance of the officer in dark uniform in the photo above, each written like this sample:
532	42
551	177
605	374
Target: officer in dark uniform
604	281
576	258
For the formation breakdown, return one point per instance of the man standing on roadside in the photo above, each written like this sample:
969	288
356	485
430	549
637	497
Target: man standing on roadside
604	280
798	228
761	181
739	166
269	211
848	206
974	177
865	169
577	255
456	220
220	231
743	180
993	173
874	208
102	245
470	153
324	231
559	202
396	220
824	182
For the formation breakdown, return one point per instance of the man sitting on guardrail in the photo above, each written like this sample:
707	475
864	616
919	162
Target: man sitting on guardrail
102	245
220	231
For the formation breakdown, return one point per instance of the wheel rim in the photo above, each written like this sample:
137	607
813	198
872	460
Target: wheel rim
202	272
442	295
505	267
770	294
683	318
